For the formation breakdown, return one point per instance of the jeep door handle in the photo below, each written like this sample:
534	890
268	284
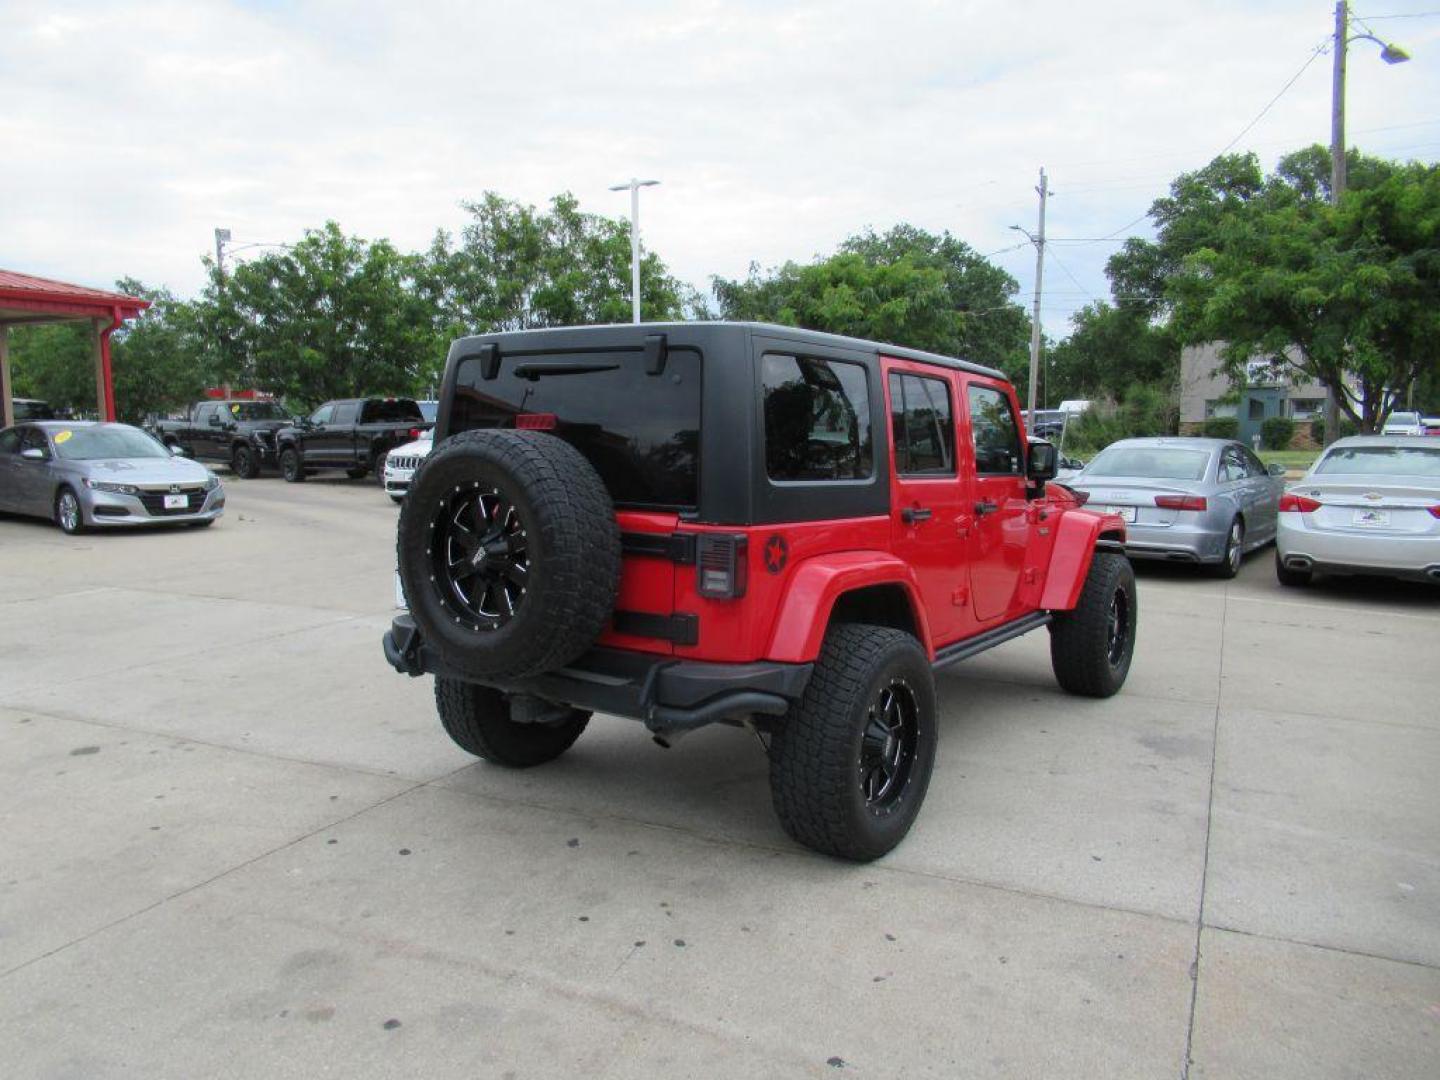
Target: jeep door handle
911	514
983	508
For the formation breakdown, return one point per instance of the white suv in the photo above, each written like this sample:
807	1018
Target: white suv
1403	423
400	466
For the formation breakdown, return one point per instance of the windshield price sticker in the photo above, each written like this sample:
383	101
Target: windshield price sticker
63	436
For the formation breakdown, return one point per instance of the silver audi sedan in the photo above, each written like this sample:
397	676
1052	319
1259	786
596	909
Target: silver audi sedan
1369	505
83	475
1205	501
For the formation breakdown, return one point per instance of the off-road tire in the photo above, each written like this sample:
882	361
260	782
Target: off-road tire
1292	578
292	468
60	518
243	463
478	719
1083	651
1229	564
398	500
572	552
816	750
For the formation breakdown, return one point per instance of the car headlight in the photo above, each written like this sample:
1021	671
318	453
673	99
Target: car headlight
212	482
114	489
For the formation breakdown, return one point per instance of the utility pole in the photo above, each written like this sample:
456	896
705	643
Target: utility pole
1337	174
222	237
1038	239
634	185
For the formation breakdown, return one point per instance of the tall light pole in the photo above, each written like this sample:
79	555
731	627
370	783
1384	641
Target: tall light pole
1038	239
634	186
1391	54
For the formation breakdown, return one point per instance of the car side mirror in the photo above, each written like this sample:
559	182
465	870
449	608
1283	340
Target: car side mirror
178	451
1044	462
33	453
1276	470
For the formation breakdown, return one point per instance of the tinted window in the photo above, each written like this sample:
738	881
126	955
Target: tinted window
33	410
10	441
323	414
817	419
257	410
1253	465
1151	462
1381	461
391	411
640	431
922	425
345	412
993	430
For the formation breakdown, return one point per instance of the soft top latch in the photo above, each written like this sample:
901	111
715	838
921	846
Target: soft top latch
657	350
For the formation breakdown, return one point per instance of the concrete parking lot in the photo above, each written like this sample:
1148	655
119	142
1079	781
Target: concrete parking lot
234	843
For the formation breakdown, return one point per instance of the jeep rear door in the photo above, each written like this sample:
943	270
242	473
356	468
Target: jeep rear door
1000	515
928	511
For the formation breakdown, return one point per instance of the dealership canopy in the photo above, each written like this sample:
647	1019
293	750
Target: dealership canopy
27	300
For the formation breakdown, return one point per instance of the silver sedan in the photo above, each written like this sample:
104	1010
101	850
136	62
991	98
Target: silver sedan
1369	505
83	475
1206	501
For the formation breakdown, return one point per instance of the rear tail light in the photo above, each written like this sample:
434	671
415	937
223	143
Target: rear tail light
1434	511
536	421
720	566
1299	504
1081	497
1180	502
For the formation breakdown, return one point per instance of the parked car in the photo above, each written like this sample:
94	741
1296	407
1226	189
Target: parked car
1369	505
353	434
1403	423
239	433
1206	501
1430	425
401	463
85	475
31	409
601	528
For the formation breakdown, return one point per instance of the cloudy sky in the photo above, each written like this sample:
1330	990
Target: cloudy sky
131	130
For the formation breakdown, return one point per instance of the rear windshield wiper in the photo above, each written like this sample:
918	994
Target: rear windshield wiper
535	371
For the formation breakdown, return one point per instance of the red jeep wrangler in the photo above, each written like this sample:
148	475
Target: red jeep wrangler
693	523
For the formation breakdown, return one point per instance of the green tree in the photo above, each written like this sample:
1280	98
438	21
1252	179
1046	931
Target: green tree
55	363
158	358
514	267
1110	349
331	316
905	286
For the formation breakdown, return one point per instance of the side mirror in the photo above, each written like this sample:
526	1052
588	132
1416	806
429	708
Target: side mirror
178	451
1276	470
1072	463
1044	461
33	453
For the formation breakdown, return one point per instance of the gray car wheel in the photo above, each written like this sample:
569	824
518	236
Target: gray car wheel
68	514
1229	564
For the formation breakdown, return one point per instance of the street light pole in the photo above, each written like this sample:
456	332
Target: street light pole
1038	239
634	185
1391	54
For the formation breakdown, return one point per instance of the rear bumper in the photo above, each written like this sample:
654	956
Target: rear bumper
1413	558
665	694
1179	542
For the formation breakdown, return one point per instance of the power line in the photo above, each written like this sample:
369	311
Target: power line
1315	54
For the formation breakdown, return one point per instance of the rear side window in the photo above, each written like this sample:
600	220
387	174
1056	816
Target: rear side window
397	411
345	412
641	432
922	425
993	429
817	419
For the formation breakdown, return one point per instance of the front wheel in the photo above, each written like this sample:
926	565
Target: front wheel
243	463
478	719
1091	646
68	514
851	761
291	467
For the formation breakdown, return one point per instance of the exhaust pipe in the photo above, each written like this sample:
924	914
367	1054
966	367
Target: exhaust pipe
1302	562
1433	573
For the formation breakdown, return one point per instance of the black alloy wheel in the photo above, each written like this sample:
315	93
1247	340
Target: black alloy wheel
479	554
242	463
888	745
291	468
1117	630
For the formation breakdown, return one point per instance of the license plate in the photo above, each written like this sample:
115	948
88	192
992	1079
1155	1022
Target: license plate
1372	519
1127	513
177	502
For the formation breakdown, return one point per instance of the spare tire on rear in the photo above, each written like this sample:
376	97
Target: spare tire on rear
509	553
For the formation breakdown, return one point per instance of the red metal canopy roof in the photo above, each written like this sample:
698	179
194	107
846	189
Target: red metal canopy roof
30	294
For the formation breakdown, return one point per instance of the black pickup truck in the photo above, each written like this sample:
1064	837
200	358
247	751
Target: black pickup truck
241	433
354	434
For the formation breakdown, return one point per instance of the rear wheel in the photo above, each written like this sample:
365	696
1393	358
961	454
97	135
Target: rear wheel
1287	576
243	463
1091	646
851	761
478	719
357	473
68	514
1229	564
291	467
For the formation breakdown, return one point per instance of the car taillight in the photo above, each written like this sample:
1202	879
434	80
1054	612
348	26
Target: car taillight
1434	511
720	566
1180	502
1298	504
536	421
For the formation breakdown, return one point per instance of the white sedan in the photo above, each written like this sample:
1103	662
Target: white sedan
400	466
1369	505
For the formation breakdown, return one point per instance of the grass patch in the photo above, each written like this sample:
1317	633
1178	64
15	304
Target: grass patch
1291	459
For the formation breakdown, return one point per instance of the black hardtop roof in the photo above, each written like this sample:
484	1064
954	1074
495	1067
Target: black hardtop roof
612	334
